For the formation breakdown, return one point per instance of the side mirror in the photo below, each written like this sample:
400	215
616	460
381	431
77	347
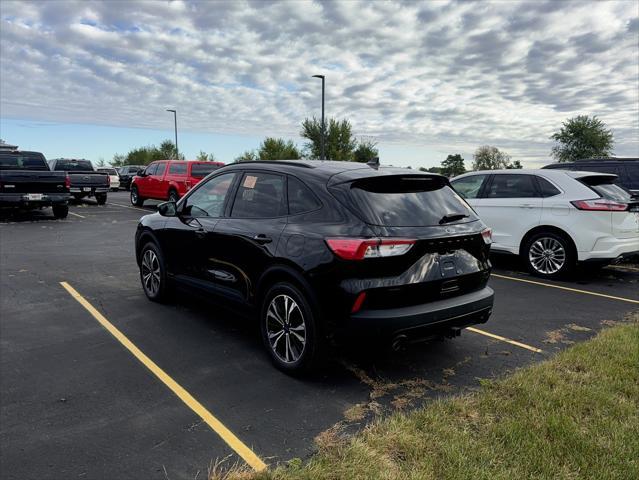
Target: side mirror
140	173
168	209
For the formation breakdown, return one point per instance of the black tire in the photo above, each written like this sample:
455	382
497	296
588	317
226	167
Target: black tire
135	197
156	288
549	255
309	354
101	198
60	211
173	196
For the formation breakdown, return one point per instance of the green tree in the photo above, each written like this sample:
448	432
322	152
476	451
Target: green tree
168	151
100	162
487	157
248	156
339	141
205	157
431	169
453	165
278	149
118	160
582	137
366	150
515	165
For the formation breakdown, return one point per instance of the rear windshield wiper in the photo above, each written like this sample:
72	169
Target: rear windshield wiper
451	217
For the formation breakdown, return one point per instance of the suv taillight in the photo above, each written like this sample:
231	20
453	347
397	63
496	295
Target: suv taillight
67	181
362	248
600	205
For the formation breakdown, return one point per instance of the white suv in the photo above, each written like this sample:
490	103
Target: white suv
554	218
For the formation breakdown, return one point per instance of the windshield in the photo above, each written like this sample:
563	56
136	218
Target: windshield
22	161
201	170
74	165
412	201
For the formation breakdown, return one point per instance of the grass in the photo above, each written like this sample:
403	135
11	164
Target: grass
573	416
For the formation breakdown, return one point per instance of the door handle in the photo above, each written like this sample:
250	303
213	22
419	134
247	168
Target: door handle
262	239
527	205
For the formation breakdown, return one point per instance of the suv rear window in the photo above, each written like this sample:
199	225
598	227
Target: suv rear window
22	161
606	188
73	166
201	170
408	201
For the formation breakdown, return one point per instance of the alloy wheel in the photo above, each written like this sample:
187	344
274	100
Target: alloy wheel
286	328
547	255
151	272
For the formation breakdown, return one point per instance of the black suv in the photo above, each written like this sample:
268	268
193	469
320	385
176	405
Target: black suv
317	249
127	172
626	169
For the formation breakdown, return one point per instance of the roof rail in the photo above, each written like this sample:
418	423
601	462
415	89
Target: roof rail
294	163
607	159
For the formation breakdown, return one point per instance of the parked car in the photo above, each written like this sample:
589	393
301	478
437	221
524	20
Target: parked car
554	218
114	177
169	179
315	249
26	182
85	181
127	172
626	169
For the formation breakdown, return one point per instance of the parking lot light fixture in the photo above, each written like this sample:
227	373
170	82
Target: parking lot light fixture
323	154
177	155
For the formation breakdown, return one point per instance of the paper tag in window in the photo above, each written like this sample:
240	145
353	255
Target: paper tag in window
249	181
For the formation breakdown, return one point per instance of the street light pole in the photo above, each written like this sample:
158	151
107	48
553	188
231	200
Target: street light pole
323	155
177	154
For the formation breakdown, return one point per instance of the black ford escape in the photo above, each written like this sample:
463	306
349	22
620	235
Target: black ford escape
322	248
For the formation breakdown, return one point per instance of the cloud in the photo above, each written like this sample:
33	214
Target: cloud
437	74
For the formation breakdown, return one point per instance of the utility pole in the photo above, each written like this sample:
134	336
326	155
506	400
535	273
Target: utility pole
177	153
323	154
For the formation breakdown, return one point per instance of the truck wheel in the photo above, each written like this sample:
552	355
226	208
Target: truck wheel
173	196
135	197
60	211
101	198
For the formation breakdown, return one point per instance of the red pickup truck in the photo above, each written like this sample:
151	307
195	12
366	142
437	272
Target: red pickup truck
169	179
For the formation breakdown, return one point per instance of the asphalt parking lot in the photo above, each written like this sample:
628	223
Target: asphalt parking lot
75	403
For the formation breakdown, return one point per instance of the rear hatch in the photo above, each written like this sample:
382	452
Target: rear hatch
615	202
446	254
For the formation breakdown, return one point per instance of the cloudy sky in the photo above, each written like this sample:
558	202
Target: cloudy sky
89	79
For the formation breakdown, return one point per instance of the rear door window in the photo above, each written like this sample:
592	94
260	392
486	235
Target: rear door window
547	189
469	187
177	168
300	198
260	195
511	186
408	201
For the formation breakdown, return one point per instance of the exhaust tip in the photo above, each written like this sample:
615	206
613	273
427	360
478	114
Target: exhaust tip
399	343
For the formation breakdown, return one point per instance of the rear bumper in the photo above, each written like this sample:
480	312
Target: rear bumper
429	318
611	248
18	200
88	190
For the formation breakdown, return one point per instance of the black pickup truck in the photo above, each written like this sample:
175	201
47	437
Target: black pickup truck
85	181
26	182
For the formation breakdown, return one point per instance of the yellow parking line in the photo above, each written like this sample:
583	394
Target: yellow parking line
218	427
587	292
76	215
504	339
